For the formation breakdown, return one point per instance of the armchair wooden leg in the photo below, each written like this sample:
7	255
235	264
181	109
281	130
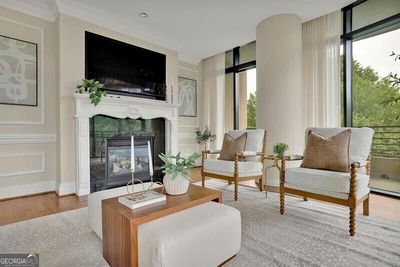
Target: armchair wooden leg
236	176
236	189
260	184
352	221
229	182
305	198
203	178
282	187
366	206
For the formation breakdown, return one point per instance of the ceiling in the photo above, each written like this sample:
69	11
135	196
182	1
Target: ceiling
196	29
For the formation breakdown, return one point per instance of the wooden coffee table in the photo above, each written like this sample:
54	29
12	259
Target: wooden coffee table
120	224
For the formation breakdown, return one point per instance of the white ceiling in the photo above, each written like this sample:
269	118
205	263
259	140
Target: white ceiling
196	29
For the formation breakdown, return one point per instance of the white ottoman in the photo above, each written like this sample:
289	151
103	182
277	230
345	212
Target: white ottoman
205	235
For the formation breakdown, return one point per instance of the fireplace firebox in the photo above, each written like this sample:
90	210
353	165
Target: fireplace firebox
118	159
110	149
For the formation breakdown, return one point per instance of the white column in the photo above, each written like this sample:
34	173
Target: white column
280	96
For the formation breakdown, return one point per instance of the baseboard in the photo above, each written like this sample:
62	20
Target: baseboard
26	189
63	189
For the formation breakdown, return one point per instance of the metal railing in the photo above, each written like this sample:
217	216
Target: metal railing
386	142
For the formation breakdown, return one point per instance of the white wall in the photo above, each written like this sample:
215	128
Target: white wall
280	95
187	125
72	71
37	144
28	134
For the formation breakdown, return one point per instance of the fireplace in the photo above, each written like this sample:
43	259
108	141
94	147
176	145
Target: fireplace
110	147
141	111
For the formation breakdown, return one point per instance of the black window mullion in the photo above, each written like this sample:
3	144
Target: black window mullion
347	69
236	94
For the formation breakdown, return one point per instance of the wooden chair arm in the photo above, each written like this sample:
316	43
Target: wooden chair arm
212	151
250	154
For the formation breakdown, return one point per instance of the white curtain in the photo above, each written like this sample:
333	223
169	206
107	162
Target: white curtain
214	93
321	45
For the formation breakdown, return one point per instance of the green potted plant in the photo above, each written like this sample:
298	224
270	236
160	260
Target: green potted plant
204	136
176	180
94	88
280	148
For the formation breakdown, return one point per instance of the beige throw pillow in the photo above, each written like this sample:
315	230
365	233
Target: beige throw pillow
231	146
327	153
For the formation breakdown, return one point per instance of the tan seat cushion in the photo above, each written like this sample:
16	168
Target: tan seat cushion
330	153
231	146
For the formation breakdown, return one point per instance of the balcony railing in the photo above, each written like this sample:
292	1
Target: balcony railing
386	142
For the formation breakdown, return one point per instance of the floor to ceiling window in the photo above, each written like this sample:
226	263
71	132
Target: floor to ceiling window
240	87
371	41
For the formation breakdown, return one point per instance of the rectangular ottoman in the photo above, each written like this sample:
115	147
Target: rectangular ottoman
204	235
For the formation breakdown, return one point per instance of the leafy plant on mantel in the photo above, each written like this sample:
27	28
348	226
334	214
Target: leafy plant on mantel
177	165
94	88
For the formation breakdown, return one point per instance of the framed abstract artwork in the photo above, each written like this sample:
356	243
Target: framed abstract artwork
187	89
18	72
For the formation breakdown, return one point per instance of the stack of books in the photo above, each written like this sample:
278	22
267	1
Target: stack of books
149	197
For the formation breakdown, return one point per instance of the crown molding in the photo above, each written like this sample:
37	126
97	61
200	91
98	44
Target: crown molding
44	9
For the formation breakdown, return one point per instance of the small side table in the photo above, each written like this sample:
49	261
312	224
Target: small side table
280	167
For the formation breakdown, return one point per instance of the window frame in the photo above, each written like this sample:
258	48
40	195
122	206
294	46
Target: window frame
347	38
235	69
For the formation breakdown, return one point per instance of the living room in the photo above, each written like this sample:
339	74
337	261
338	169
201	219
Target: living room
268	131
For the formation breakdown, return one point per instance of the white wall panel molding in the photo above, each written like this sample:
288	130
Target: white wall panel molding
6	139
26	189
41	81
34	170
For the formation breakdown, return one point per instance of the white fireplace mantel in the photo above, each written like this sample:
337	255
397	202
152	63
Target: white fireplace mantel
118	107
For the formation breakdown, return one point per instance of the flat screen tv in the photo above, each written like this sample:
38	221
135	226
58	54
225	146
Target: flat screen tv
124	68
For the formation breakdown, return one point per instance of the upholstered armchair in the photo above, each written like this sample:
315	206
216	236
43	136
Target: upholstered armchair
344	188
247	165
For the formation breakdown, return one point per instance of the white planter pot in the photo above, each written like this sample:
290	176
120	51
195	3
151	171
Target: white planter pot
177	186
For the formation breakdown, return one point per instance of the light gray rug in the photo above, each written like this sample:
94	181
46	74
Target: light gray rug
309	233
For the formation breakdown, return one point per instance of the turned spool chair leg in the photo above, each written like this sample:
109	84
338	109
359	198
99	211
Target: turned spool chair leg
366	201
281	187
353	200
236	176
203	178
366	206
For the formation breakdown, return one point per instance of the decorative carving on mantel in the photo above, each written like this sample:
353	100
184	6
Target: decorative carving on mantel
132	113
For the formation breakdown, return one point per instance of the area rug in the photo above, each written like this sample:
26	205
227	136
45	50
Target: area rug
308	234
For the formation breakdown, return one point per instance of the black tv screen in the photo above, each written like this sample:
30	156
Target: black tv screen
124	68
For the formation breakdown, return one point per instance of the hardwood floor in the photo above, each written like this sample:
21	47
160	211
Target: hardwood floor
25	208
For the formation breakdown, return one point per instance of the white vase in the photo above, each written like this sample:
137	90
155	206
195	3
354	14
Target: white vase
175	186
